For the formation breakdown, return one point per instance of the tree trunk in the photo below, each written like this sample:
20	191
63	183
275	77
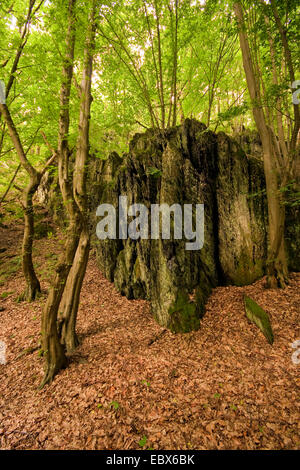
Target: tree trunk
161	83
33	285
289	63
54	353
10	183
276	263
52	348
65	292
70	301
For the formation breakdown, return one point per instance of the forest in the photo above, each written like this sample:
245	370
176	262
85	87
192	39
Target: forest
149	225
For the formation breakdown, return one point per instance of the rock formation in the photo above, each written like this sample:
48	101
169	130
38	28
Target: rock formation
188	164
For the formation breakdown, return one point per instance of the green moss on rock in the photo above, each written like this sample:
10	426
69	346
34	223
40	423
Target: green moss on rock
258	316
184	314
246	270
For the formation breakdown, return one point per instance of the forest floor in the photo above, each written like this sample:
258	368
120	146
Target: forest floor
128	387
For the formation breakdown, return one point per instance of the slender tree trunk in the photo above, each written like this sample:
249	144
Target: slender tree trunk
10	184
172	118
65	293
33	284
55	358
210	103
161	83
280	130
276	263
70	302
289	63
175	66
51	345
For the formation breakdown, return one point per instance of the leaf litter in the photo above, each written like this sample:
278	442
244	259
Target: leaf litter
133	385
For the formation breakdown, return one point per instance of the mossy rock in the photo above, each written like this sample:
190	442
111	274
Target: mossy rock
258	316
184	315
187	164
246	270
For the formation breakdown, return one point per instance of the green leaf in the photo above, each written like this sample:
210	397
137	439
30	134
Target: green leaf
142	441
146	383
115	405
155	172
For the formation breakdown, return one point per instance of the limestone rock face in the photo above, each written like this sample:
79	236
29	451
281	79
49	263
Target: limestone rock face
188	164
242	213
176	281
